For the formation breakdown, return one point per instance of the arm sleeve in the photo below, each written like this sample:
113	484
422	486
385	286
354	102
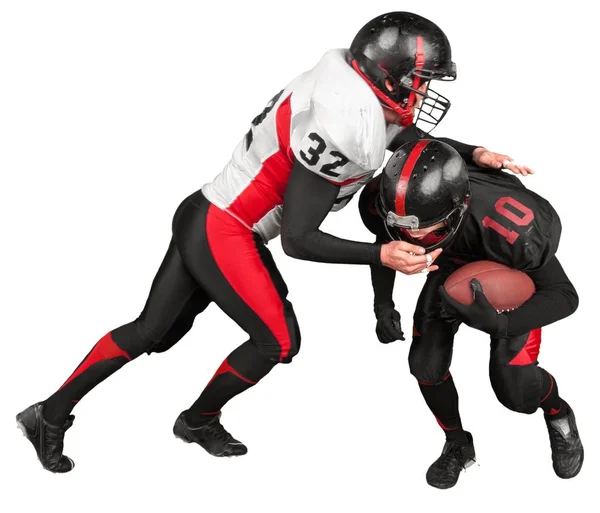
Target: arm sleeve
464	150
555	298
382	279
308	200
412	133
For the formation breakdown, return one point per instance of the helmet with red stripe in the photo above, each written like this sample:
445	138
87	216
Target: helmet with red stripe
424	183
408	51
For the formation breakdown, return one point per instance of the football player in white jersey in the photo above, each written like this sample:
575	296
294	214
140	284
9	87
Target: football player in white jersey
316	143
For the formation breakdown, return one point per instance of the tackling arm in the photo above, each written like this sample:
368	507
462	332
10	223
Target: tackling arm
308	200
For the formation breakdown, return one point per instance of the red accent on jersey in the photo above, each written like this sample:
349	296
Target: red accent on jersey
350	180
405	176
105	349
234	250
224	368
415	332
531	349
511	216
268	187
554	411
510	235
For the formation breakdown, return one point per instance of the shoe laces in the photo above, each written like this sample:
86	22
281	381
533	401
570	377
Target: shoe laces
55	436
217	431
559	440
454	453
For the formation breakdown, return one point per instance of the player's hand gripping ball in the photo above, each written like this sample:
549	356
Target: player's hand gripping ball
479	292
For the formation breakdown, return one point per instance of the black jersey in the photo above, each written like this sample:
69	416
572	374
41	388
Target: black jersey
505	222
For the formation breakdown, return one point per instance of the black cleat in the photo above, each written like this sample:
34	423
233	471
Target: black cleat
456	456
211	436
567	450
46	438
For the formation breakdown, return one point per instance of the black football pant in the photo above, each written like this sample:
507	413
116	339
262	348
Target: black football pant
211	257
517	380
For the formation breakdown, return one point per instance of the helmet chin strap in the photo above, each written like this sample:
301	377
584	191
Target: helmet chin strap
406	113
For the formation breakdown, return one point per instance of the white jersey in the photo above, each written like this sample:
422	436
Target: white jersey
329	119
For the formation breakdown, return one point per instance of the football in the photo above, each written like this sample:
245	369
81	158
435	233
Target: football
505	288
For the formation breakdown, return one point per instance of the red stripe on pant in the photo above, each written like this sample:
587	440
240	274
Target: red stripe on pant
224	368
234	251
531	349
427	384
445	428
105	349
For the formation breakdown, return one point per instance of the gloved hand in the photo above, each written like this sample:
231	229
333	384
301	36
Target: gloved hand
388	326
480	315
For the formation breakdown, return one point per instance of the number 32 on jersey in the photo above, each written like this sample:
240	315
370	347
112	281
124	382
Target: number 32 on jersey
318	157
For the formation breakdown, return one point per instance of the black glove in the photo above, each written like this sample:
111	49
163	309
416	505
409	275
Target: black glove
480	315
388	326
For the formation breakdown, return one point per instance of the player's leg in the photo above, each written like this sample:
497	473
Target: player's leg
174	300
429	359
238	272
522	386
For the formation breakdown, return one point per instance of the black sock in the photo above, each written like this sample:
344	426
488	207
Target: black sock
243	368
106	357
442	399
552	404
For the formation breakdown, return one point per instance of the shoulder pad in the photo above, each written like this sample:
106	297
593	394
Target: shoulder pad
349	114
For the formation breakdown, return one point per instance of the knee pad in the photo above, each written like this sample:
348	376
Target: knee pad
170	338
135	338
517	387
429	363
428	373
295	337
273	348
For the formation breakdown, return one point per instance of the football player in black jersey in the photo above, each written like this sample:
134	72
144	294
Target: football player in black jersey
427	195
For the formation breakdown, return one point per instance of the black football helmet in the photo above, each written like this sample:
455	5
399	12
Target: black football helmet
409	50
424	183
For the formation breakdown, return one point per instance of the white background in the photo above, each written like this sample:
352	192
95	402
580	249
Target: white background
112	112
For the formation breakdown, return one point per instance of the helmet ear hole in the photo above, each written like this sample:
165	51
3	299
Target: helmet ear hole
391	86
397	54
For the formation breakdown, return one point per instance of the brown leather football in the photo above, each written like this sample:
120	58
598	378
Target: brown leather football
504	287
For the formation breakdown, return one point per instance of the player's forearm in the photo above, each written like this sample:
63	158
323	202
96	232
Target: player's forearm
382	279
555	298
318	246
308	200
